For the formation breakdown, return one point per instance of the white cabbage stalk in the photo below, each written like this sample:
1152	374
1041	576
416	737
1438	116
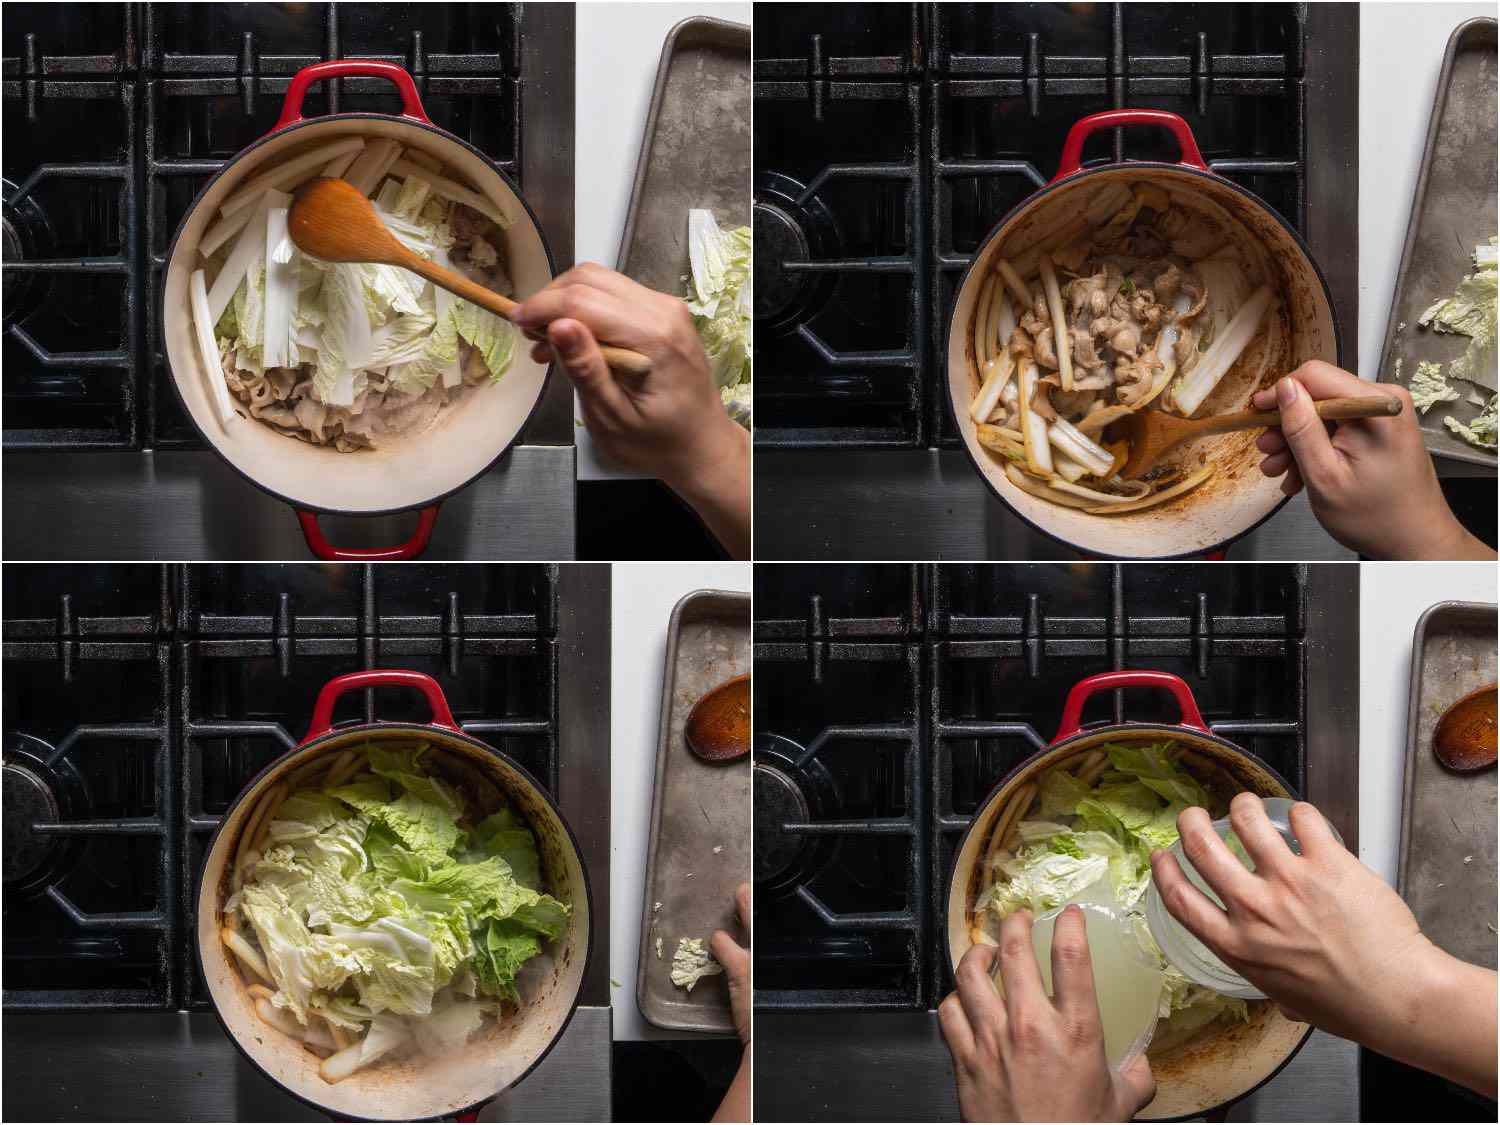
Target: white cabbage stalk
208	349
1033	426
285	175
1138	489
997	371
445	187
247	255
1226	349
1042	491
1065	467
1059	322
1014	282
222	231
335	168
1079	447
373	163
281	287
982	323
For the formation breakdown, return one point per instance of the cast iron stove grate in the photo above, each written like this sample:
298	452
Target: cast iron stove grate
890	699
117	114
139	700
890	138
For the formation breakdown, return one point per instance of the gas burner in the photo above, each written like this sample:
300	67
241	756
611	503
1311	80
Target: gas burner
27	238
789	790
790	231
37	793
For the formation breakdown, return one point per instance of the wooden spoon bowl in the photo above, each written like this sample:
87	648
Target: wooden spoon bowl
718	726
1152	434
1464	739
335	221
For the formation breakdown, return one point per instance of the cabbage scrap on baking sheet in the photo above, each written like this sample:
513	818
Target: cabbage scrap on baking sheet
1471	311
719	298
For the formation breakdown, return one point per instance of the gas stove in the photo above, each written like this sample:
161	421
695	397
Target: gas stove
890	699
889	140
140	699
115	117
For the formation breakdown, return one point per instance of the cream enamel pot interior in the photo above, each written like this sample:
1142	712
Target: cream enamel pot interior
419	471
1237	497
503	1053
1223	1062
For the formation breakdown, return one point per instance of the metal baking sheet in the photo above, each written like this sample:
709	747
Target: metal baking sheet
1452	211
1448	870
695	808
695	151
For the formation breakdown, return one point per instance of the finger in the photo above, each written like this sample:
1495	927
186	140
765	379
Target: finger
954	1024
1073	970
1185	902
1262	843
1305	434
1292	483
1216	864
1270	441
1314	834
581	359
1292	1014
600	277
742	905
1019	972
604	314
983	1007
1137	1085
1277	464
1264	399
1324	380
733	956
541	352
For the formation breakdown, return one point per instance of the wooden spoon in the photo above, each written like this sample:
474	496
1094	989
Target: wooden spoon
1464	738
718	726
334	221
1152	434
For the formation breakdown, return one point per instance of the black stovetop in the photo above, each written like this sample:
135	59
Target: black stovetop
889	700
115	117
138	700
890	138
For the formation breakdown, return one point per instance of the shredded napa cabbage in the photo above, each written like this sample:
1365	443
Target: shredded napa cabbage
719	299
389	897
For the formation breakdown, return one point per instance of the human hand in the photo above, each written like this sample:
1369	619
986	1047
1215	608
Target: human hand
736	961
670	423
1370	480
1330	941
1024	1056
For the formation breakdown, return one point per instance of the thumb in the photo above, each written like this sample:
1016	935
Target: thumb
1136	1084
1306	435
582	360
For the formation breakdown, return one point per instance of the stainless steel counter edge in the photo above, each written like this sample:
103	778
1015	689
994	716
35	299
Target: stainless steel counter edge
187	506
180	1066
875	1066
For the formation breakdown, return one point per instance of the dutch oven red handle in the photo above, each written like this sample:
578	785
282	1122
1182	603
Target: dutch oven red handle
1072	716
291	107
322	716
1072	153
318	543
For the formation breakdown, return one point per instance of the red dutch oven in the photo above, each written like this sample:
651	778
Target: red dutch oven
1237	498
419	470
503	1053
1213	1066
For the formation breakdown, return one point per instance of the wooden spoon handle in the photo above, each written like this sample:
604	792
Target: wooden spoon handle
619	359
1329	409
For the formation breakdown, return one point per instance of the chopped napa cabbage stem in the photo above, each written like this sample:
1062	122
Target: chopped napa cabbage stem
1014	283
208	348
1040	490
247	256
1059	322
336	168
281	288
719	298
983	309
1191	389
373	163
445	187
1080	447
1481	431
1065	467
1182	487
1033	427
222	231
286	174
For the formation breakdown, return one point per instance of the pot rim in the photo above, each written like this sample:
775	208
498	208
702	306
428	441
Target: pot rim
1073	180
1128	727
161	317
281	761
